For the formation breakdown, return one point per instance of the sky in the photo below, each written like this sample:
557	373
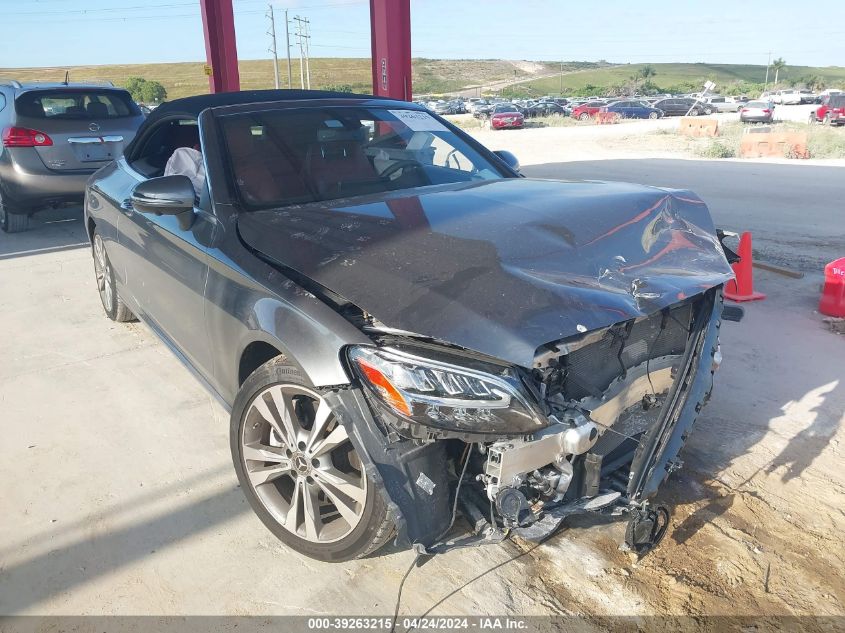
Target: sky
82	32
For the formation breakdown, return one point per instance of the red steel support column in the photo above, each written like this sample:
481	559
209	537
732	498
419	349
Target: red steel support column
390	22
221	53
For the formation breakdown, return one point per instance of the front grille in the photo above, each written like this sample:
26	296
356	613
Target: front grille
589	370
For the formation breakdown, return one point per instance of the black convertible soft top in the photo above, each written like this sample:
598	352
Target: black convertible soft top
196	104
193	106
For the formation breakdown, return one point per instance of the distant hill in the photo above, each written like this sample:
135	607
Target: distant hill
674	75
433	76
187	78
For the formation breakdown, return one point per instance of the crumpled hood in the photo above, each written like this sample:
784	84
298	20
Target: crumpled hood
501	267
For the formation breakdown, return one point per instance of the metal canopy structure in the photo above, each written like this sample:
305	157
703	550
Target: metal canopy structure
390	27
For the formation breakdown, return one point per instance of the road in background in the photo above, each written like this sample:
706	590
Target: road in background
793	211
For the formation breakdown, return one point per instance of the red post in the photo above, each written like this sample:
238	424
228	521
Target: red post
221	52
390	23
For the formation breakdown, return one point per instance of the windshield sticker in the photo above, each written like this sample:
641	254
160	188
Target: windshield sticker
419	121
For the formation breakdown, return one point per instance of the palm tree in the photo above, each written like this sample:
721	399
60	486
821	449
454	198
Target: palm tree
778	64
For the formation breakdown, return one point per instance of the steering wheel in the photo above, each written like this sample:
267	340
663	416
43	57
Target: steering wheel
399	164
453	155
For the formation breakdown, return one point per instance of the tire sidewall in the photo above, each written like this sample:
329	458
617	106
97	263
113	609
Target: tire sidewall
356	543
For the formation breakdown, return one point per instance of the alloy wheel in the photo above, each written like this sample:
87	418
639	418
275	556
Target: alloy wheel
102	272
301	464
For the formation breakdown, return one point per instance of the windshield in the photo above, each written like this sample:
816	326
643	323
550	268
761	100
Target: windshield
505	107
76	104
286	157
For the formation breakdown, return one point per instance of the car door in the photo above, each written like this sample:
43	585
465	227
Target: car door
624	109
166	270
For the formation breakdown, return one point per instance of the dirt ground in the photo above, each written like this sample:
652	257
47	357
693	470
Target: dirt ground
624	140
117	495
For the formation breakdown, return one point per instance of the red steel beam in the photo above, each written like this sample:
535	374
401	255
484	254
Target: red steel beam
221	52
390	24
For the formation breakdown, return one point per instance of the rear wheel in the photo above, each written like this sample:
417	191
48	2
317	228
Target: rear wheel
11	222
827	120
584	116
653	115
299	470
113	305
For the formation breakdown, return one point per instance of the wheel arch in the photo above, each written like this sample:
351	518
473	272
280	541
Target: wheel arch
254	355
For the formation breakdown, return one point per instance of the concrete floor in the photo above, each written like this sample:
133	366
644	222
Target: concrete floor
117	495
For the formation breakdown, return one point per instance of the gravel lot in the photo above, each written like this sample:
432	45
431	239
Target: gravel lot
118	495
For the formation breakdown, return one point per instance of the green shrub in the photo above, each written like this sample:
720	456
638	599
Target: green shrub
716	149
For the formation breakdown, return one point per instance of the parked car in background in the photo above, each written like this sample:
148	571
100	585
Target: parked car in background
54	136
757	112
549	108
482	109
586	111
831	111
389	311
808	96
679	106
442	107
722	104
506	116
632	110
790	96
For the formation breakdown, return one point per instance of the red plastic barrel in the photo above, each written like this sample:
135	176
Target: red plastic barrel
832	302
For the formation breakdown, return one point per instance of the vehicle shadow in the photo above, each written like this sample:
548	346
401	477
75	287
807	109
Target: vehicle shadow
55	572
51	231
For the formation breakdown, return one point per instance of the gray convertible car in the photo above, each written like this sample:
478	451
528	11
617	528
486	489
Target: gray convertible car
403	326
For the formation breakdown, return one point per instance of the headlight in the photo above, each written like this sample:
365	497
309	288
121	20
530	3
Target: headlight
446	396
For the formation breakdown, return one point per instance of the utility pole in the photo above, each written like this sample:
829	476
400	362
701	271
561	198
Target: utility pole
308	53
287	42
302	40
561	79
272	34
768	63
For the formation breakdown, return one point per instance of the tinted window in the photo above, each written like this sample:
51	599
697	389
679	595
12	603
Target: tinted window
757	104
504	108
837	101
75	104
280	157
2	101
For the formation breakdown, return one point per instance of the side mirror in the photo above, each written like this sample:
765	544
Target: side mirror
166	195
509	159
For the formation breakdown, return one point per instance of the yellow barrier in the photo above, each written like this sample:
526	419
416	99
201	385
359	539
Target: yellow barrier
782	144
694	126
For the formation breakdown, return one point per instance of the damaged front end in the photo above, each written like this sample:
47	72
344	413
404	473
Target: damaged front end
595	424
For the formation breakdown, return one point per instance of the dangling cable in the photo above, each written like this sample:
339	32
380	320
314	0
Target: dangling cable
466	456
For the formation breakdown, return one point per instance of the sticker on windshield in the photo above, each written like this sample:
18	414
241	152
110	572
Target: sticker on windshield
419	121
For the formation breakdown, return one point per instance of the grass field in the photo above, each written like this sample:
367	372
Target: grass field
183	79
674	74
430	75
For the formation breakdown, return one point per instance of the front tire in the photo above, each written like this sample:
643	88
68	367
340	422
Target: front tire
300	472
113	305
584	116
653	115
